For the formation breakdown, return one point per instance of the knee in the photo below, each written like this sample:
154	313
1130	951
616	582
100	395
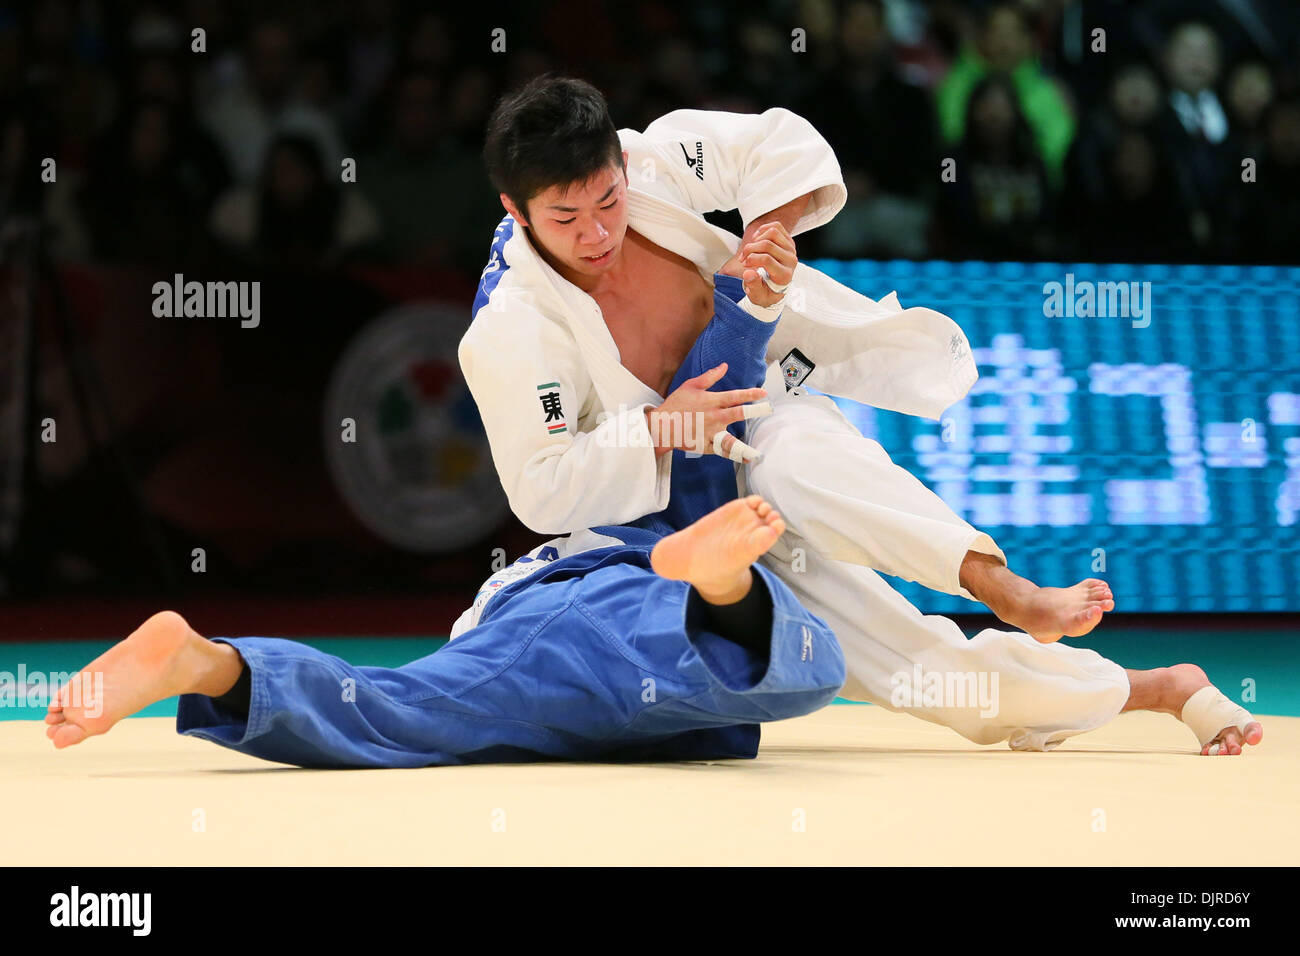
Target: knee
783	468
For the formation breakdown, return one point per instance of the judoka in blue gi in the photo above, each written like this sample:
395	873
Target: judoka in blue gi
643	646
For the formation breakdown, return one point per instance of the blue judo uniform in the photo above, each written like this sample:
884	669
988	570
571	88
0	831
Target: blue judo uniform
588	656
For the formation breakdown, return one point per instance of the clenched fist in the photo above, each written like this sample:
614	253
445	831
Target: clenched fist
769	246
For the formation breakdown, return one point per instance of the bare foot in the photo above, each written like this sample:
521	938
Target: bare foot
1048	614
1184	681
715	553
163	657
1166	690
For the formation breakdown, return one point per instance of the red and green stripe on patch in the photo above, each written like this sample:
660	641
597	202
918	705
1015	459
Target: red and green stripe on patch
558	427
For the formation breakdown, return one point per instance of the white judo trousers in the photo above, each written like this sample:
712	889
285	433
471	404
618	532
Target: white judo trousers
852	512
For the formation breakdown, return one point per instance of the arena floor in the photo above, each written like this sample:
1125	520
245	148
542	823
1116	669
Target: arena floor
852	784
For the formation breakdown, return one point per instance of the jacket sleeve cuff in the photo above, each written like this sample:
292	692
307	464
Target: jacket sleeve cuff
645	476
764	313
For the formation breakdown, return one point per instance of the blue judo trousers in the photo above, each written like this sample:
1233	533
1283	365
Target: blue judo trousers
592	656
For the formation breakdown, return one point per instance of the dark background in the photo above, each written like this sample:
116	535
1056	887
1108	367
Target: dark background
177	434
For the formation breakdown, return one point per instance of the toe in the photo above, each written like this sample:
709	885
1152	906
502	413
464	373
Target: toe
1254	732
66	735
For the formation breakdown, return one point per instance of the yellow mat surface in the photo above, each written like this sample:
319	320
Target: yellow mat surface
848	785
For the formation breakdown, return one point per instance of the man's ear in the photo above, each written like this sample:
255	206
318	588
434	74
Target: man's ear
510	208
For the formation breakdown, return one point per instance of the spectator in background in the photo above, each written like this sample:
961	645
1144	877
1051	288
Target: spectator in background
1000	206
1137	215
245	115
1195	129
761	63
20	170
299	218
11	58
883	131
1249	95
1114	155
144	198
429	192
1005	45
371	44
469	101
1269	229
157	73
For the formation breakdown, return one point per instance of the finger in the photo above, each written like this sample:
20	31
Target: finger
731	447
756	259
742	413
768	246
739	396
778	237
784	258
772	228
709	378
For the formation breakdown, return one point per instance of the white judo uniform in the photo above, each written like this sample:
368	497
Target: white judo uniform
850	510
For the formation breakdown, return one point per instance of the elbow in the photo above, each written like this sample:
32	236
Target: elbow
539	508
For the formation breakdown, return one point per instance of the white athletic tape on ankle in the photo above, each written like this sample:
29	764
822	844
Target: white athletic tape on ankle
767	281
1208	713
757	409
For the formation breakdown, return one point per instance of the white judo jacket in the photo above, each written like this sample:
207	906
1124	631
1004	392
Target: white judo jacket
565	419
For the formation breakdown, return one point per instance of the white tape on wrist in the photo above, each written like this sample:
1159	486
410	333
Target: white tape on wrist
767	281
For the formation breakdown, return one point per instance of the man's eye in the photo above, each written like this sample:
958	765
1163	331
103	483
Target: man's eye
565	222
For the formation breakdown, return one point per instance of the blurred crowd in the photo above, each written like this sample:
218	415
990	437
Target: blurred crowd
1171	135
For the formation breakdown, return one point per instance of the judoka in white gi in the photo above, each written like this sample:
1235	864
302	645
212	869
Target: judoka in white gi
599	282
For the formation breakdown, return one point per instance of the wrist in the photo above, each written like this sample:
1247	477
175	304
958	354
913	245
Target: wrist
652	425
764	313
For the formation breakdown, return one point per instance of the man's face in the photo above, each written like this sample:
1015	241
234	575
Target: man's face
1192	60
576	223
1005	40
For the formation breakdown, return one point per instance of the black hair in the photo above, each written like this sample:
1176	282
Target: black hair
1023	147
553	131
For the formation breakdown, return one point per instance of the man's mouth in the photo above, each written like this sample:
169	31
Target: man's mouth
600	259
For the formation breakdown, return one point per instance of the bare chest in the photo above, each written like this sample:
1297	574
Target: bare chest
658	316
